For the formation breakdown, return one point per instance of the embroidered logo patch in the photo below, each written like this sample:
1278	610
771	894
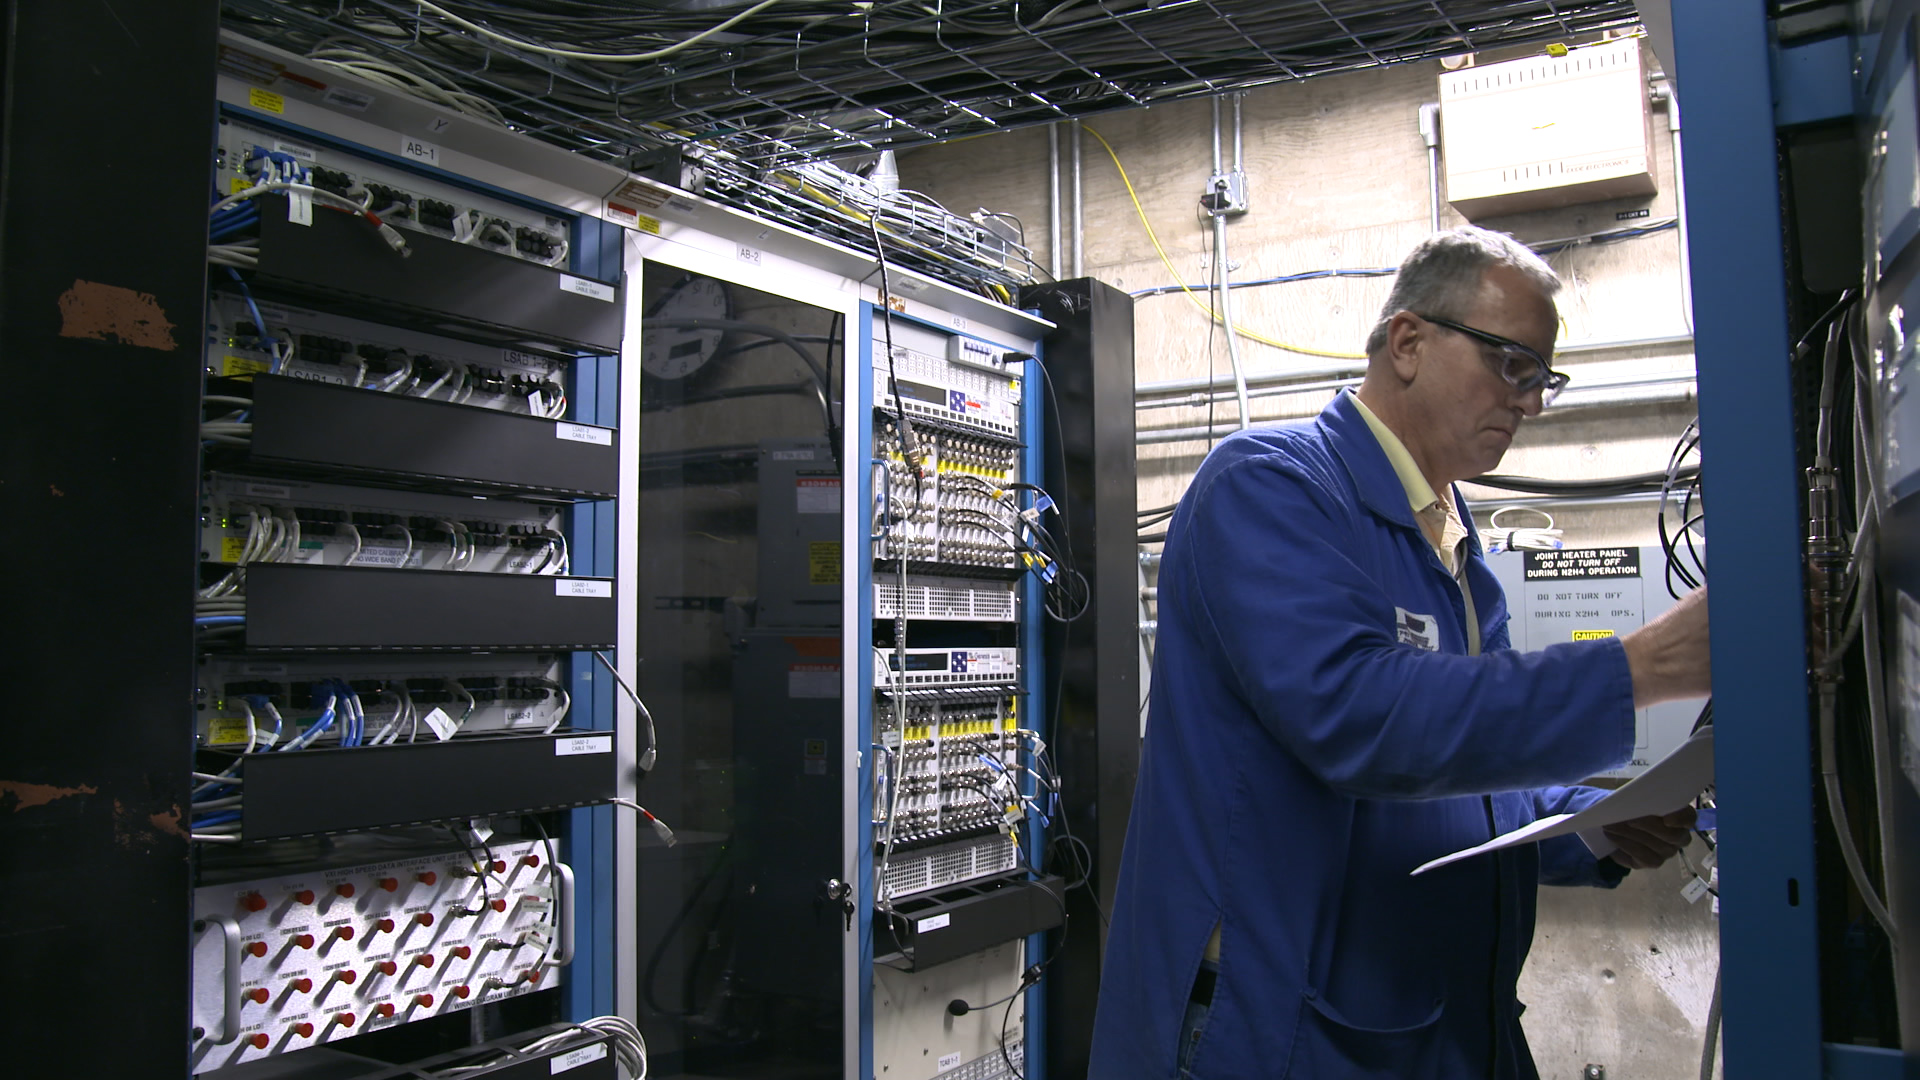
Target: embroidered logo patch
1417	630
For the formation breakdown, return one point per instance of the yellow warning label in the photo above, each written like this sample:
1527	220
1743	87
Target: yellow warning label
241	365
1591	635
266	100
823	562
231	548
227	730
646	224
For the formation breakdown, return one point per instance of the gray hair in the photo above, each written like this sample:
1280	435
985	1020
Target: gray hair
1442	275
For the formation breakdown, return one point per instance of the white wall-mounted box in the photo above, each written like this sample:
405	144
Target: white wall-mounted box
1546	131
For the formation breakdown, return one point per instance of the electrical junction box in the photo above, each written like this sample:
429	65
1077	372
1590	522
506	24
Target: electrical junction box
1547	131
1584	594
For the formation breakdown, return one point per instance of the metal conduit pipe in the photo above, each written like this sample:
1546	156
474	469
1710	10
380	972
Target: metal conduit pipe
1577	393
1681	390
1680	210
1430	134
1053	199
1079	256
1357	367
1220	272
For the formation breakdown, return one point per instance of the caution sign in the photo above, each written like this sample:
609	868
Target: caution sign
823	562
1576	563
1591	635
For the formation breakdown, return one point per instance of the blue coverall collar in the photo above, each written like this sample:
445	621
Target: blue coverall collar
1379	486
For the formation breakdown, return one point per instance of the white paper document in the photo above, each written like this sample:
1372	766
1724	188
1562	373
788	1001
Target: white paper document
1668	786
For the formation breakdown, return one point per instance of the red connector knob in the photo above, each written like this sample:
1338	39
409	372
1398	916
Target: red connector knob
260	1041
533	975
345	888
304	896
384	1009
424	959
383	926
344	933
303	941
428	877
305	1031
499	866
255	948
461	992
463	952
344	1019
388	883
425	918
258	995
253	901
386	967
347	975
301	986
499	905
530	860
425	1001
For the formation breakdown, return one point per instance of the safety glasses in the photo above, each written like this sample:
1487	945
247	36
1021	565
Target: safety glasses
1524	369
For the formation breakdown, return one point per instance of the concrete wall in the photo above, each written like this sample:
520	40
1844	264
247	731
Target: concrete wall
1338	179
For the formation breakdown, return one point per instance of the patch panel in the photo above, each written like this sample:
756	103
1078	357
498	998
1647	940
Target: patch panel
244	519
397	196
294	961
953	769
938	668
351	352
477	695
956	511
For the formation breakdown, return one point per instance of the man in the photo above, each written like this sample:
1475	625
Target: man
1335	702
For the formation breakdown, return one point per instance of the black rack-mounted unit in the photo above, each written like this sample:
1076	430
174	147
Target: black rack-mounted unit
297	608
965	919
440	285
342	432
313	792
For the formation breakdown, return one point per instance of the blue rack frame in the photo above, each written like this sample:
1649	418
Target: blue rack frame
1737	87
597	250
1032	685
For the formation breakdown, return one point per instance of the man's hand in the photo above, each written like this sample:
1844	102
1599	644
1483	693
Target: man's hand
1649	841
1668	656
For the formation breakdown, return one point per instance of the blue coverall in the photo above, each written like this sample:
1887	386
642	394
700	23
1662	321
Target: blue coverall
1317	731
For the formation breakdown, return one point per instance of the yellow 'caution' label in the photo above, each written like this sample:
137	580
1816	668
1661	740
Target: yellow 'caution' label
1591	635
646	224
231	548
226	731
823	562
241	365
266	100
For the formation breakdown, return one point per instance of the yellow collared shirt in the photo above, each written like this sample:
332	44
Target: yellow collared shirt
1439	518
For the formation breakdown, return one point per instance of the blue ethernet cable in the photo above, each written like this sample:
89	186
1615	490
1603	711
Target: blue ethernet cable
219	620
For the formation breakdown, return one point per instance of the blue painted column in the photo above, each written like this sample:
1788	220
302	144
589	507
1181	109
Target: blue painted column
859	622
1768	933
1034	683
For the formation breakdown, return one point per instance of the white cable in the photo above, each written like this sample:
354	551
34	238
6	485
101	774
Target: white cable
653	740
612	58
353	531
566	705
1509	538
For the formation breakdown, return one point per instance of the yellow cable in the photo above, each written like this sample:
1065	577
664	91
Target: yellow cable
1207	308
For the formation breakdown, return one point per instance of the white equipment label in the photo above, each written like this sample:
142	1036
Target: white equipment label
585	433
576	1058
588	587
584	287
585	744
